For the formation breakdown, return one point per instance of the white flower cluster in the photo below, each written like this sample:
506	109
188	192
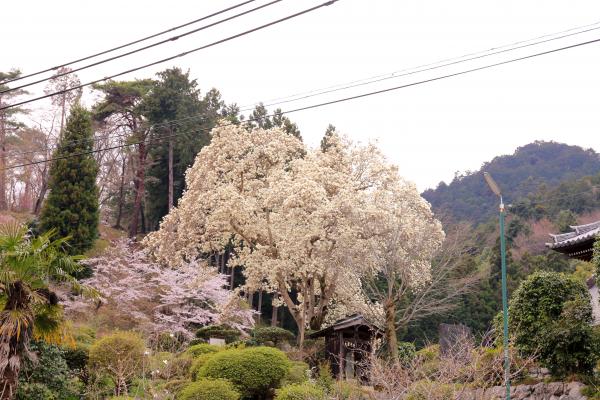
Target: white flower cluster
306	223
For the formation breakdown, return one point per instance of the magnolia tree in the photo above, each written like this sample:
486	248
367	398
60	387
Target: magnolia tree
300	219
162	299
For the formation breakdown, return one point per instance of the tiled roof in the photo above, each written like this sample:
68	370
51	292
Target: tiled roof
581	233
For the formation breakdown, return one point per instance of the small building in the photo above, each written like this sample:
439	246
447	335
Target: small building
347	343
577	244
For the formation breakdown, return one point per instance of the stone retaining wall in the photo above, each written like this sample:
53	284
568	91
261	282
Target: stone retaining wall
540	391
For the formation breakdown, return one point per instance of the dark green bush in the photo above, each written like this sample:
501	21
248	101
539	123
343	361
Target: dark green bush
300	391
201	348
209	389
272	334
406	352
254	371
550	315
48	377
219	332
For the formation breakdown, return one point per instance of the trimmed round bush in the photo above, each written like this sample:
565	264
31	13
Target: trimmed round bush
209	389
300	391
272	334
219	332
202	348
253	371
198	362
550	315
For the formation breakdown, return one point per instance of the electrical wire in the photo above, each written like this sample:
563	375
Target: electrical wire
129	44
171	39
363	95
308	10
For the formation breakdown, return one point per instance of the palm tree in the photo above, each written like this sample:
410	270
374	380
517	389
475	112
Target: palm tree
28	307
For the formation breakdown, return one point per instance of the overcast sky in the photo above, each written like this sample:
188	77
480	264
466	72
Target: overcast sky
429	130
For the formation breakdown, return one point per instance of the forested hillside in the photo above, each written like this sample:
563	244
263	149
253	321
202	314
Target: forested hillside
531	171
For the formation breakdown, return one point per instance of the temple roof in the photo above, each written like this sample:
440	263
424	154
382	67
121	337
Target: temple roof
578	243
352	321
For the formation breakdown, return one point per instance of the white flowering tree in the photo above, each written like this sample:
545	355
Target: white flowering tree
301	220
161	299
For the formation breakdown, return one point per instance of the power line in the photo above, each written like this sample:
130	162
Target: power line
391	74
337	100
128	44
418	69
327	3
177	121
171	39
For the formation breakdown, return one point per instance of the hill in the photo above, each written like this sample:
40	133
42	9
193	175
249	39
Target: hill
532	169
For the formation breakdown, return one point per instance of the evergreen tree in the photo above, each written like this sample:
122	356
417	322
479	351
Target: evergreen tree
72	205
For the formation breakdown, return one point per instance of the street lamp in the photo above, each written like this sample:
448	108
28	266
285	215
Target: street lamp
496	189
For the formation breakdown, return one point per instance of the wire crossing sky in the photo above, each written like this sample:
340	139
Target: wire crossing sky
430	130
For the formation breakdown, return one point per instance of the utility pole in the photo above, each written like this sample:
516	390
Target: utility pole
496	189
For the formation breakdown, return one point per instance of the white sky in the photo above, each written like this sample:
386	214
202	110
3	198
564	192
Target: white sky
430	130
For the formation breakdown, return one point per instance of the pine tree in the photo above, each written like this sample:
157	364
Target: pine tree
72	205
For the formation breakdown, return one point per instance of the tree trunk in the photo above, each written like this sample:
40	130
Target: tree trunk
274	314
121	194
232	278
139	192
170	204
259	306
389	308
14	340
3	205
43	190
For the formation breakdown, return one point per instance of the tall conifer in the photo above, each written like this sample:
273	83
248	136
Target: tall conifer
72	205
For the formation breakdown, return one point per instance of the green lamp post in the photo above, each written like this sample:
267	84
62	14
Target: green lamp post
496	189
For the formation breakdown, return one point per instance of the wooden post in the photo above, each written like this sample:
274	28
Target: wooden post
341	355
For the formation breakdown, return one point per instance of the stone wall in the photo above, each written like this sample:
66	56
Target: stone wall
540	391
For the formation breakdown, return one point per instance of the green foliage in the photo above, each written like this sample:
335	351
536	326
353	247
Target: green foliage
198	362
564	220
350	390
72	205
218	331
174	96
119	356
202	348
272	334
301	391
596	257
209	389
526	175
298	373
260	118
550	315
254	371
426	390
48	377
406	352
325	378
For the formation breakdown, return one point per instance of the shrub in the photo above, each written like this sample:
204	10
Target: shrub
431	390
300	391
119	356
297	373
218	331
253	371
272	334
406	352
550	315
348	390
76	358
48	377
202	348
198	362
209	389
325	378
